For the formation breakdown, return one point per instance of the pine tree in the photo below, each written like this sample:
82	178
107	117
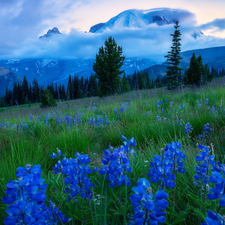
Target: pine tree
125	84
173	74
192	72
47	99
25	89
107	67
197	74
35	91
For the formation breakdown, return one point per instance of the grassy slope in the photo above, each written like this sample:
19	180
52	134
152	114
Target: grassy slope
35	144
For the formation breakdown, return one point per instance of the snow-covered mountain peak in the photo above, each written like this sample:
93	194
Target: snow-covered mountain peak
134	18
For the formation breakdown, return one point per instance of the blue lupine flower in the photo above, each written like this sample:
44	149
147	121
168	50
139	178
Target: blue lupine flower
213	109
206	101
159	102
158	107
199	105
203	168
147	207
206	130
214	219
53	155
76	172
188	128
163	167
218	178
116	165
158	118
127	143
26	197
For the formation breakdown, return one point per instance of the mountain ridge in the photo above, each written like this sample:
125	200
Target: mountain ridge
213	56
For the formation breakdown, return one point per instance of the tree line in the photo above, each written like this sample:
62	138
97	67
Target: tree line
110	79
77	87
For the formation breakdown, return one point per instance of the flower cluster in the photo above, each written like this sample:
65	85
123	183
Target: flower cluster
218	192
73	120
117	164
206	101
202	169
158	118
123	108
218	178
26	197
206	130
76	171
188	128
147	207
214	219
163	167
127	144
98	122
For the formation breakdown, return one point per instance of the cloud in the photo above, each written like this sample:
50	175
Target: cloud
153	42
216	25
23	21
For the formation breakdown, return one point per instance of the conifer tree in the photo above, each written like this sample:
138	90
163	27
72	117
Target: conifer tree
125	84
25	88
197	74
47	99
15	94
107	67
173	74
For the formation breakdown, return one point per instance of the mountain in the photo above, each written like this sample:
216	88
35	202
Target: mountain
47	71
50	33
142	18
212	56
7	78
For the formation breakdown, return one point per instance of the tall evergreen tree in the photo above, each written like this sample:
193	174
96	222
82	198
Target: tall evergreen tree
15	94
92	88
107	67
25	88
193	71
197	74
35	91
125	84
173	74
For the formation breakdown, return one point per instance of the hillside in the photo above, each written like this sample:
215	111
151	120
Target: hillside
7	78
214	57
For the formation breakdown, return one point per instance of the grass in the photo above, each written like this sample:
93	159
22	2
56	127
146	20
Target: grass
20	145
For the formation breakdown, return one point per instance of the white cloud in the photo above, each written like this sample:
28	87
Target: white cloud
23	21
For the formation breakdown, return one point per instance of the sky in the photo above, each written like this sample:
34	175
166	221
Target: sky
23	21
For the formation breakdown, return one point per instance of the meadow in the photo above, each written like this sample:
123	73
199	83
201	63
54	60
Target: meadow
153	118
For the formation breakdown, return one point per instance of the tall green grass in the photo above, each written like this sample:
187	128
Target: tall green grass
35	144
